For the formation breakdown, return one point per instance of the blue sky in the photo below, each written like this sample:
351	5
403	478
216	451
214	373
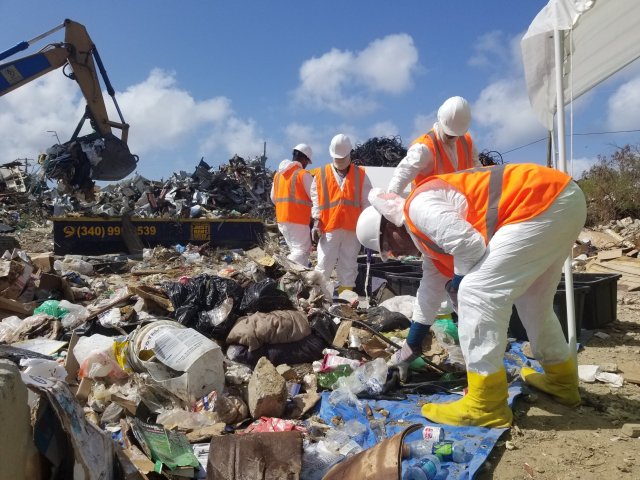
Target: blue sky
213	78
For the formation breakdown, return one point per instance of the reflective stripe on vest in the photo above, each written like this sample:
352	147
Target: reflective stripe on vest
341	211
441	162
486	211
295	207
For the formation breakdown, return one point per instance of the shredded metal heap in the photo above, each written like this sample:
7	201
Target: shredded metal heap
379	152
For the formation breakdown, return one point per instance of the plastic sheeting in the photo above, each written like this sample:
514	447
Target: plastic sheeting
605	38
478	441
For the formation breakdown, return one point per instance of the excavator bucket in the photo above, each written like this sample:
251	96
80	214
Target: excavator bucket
77	163
117	161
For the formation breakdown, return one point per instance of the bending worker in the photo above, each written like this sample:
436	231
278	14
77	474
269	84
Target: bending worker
339	193
502	233
291	194
446	148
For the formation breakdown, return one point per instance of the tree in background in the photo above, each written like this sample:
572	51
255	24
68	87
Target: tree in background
612	186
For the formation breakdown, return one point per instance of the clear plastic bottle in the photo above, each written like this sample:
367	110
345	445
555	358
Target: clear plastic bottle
417	449
427	468
449	451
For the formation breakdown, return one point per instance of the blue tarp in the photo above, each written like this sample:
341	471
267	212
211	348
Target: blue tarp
478	441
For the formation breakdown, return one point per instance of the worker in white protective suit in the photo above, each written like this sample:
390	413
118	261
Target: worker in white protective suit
291	194
501	234
446	148
339	193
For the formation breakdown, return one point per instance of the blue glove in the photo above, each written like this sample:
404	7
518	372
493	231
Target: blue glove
455	281
417	332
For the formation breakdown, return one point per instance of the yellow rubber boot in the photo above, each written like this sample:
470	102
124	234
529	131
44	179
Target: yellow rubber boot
485	404
559	380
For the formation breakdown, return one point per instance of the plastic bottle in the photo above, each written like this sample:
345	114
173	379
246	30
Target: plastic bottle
450	451
417	449
427	468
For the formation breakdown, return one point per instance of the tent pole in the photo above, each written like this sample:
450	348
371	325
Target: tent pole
562	165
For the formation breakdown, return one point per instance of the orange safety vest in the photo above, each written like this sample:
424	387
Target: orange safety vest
293	205
339	207
441	162
496	196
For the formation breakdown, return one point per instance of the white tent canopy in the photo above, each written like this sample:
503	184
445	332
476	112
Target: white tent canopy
605	37
570	47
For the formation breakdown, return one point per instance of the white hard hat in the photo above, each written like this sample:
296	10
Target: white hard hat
455	116
368	228
340	146
304	148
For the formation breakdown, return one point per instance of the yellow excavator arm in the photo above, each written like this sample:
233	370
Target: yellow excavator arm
79	53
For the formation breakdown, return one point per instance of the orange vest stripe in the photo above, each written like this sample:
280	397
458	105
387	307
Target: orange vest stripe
339	207
441	161
495	197
293	205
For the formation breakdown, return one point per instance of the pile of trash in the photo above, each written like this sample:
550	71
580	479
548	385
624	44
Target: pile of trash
239	188
168	364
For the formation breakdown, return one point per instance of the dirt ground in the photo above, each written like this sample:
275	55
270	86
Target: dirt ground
548	440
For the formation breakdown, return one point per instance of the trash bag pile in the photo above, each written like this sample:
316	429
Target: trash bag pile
164	364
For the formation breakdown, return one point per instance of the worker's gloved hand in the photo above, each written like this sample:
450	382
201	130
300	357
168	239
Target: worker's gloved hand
452	287
316	232
411	350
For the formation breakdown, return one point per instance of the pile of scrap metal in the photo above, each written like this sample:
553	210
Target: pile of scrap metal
239	188
379	152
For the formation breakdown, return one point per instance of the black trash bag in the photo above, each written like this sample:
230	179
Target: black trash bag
384	320
193	300
307	350
265	296
323	325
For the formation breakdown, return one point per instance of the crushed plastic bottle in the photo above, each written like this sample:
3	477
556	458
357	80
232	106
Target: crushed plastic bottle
427	468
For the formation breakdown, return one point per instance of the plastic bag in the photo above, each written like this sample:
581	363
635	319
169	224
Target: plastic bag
76	316
96	357
446	331
323	325
265	297
400	303
202	302
52	308
384	320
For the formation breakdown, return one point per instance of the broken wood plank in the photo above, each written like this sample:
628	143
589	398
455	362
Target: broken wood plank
342	334
609	254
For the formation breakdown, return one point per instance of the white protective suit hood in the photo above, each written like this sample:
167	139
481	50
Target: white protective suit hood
287	164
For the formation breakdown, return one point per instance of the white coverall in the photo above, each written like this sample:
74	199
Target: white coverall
522	264
419	159
339	246
297	236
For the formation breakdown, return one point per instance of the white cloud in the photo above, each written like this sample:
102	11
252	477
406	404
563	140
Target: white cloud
383	129
163	118
162	115
388	64
578	166
504	112
27	113
624	106
421	124
489	50
344	82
